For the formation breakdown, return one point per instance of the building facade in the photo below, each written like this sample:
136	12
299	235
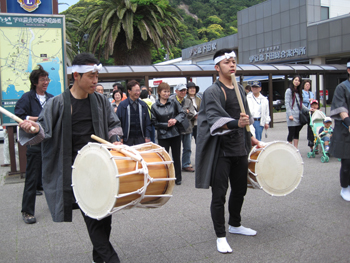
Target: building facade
284	31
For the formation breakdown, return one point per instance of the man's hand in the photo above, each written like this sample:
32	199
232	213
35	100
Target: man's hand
266	126
243	120
291	117
254	141
257	143
147	139
27	125
118	143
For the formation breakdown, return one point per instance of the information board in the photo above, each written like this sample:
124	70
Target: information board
26	41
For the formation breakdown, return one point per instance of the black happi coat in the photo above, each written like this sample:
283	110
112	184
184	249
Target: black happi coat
211	117
56	132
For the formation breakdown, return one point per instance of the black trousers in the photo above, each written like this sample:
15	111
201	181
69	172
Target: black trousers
345	173
134	141
33	174
99	232
293	132
194	133
233	169
310	136
175	144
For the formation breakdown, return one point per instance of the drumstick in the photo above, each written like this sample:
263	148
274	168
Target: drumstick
238	95
123	151
14	117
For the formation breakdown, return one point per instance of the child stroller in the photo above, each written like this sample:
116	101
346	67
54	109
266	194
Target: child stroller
316	122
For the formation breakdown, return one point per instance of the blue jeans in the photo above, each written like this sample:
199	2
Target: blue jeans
186	151
258	130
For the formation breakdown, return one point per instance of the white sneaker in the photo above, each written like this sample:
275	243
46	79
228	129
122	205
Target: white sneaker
345	193
223	246
241	230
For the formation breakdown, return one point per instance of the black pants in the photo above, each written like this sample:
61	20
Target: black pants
99	232
345	173
233	169
33	174
310	136
175	144
134	141
293	132
194	133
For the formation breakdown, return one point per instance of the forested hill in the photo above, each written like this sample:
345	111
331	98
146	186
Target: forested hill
203	20
206	20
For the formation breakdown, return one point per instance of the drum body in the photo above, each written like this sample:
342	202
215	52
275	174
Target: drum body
105	179
277	168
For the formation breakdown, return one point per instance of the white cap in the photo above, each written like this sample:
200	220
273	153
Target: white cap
327	119
180	87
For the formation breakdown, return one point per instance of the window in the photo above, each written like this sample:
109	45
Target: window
324	13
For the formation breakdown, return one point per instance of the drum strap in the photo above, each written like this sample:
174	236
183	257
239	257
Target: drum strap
223	96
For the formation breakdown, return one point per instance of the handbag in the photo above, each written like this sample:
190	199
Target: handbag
183	126
304	118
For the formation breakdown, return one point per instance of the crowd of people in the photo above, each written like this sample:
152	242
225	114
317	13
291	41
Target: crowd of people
56	128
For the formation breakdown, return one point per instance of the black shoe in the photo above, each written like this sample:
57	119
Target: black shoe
38	192
28	219
178	183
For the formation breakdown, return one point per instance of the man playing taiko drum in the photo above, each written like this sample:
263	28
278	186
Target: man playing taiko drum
223	145
65	125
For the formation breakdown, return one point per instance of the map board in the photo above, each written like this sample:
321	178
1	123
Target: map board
26	41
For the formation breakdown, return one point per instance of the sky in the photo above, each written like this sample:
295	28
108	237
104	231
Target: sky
63	7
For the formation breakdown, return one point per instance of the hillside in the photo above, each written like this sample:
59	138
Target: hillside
203	20
206	20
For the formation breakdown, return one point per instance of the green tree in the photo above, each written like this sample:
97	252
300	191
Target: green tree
210	33
72	25
128	29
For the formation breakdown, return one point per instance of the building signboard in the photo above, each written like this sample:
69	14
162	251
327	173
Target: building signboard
203	49
272	53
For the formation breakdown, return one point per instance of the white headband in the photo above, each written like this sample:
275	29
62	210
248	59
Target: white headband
348	65
225	56
86	68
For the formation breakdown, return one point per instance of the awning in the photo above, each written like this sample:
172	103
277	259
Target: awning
113	73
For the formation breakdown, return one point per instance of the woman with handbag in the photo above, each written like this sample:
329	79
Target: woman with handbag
296	112
165	114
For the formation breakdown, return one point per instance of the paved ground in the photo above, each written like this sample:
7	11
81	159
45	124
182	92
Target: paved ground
309	225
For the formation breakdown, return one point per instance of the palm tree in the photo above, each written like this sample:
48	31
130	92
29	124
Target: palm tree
127	29
72	27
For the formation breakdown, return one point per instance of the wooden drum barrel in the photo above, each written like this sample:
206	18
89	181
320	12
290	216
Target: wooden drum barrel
105	179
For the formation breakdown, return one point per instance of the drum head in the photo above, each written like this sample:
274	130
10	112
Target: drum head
95	185
279	168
